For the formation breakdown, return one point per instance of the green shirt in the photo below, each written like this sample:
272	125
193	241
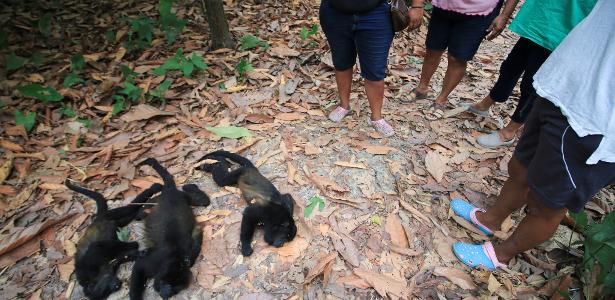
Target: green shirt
547	22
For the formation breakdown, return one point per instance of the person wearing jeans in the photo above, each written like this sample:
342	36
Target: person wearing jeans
567	151
362	28
459	26
542	25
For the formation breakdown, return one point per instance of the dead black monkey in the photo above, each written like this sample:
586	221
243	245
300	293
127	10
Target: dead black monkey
267	206
99	252
173	237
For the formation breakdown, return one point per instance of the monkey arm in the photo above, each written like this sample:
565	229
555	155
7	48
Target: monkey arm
143	268
197	242
251	217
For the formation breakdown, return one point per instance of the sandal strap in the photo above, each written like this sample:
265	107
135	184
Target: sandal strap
490	251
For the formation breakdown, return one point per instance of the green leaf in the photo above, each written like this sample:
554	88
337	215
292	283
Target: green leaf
71	80
44	24
321	205
14	62
243	67
132	92
123	234
315	200
164	7
198	61
427	6
27	121
159	91
170	64
187	68
77	62
35	90
119	105
37	59
580	219
231	132
376	219
128	73
314	29
609	284
79	142
249	41
68	112
110	36
2	104
86	122
304	34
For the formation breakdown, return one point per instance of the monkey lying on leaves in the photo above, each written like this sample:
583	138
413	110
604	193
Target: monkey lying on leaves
99	251
196	196
267	207
174	240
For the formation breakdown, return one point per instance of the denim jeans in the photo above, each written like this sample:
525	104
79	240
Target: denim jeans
368	35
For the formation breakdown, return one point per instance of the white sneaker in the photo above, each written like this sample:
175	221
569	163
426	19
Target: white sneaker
493	140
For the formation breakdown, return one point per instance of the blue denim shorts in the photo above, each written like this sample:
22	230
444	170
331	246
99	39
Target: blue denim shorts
461	34
368	34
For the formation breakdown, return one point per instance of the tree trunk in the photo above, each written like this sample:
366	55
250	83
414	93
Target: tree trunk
218	25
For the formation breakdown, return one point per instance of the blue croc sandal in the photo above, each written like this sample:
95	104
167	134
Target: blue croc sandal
468	212
477	255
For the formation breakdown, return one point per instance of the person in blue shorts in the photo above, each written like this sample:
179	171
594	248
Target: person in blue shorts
362	28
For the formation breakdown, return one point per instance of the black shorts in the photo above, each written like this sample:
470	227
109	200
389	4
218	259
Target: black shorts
556	156
461	34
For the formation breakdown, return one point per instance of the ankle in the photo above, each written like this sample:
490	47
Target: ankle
507	135
482	105
442	100
503	255
422	89
484	219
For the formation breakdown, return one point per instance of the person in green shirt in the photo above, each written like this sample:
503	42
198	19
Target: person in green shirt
541	25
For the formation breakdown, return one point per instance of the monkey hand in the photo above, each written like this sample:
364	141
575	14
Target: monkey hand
246	250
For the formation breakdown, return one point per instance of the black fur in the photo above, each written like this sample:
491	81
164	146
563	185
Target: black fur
174	240
99	252
267	206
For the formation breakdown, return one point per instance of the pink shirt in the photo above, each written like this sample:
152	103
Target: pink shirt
467	7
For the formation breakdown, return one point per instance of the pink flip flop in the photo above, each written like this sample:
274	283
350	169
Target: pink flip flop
382	127
338	114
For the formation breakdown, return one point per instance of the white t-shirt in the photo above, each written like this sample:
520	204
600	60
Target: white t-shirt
579	78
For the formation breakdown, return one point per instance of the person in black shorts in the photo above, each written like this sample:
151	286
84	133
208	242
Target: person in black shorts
460	33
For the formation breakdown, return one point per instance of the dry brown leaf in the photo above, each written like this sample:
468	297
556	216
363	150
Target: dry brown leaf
292	171
8	145
323	183
465	224
396	231
348	164
292	116
311	149
6	167
436	165
143	112
346	247
66	270
386	286
283	51
52	186
22	235
493	284
458	277
415	212
378	150
354	281
320	267
259	118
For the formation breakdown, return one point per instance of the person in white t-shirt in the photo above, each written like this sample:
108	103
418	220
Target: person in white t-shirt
567	151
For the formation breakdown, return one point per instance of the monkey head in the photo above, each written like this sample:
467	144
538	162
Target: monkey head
101	285
175	276
281	228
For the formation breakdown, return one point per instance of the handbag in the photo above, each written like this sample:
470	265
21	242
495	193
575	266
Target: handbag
399	14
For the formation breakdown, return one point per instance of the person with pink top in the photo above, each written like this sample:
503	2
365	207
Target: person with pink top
459	26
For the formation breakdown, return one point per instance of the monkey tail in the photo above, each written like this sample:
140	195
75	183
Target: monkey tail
101	202
242	161
168	180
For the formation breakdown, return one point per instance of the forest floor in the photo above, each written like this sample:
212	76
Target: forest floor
385	229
